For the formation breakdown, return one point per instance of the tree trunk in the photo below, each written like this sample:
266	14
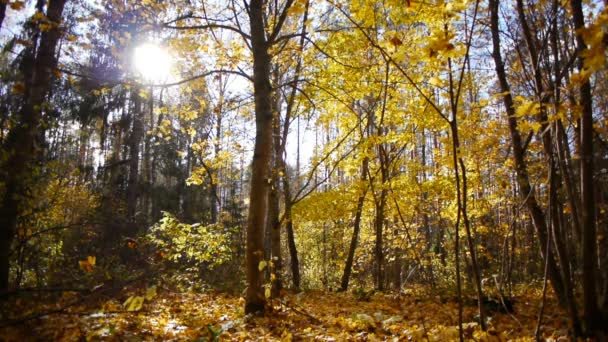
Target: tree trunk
291	242
592	316
2	12
356	228
134	140
274	224
21	141
214	195
379	246
147	157
255	300
526	193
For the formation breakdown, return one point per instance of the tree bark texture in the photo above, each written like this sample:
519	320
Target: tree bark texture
20	145
523	180
255	300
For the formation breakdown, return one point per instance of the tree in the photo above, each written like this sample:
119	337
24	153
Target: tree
22	144
592	315
262	89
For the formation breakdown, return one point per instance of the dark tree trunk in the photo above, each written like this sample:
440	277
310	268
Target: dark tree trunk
547	142
255	300
2	12
379	245
526	193
274	224
592	317
214	195
356	228
134	141
20	144
147	162
291	241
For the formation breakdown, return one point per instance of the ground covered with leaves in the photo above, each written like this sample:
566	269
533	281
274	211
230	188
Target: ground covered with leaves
141	312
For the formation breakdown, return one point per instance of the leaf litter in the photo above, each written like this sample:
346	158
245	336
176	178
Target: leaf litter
156	313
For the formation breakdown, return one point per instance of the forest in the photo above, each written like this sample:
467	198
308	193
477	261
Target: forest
299	170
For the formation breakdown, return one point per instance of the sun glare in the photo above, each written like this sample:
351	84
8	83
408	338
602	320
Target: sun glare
152	62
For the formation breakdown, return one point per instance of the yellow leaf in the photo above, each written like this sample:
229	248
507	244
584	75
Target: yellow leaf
133	303
19	88
262	265
88	264
435	81
39	16
44	27
17	5
151	292
395	41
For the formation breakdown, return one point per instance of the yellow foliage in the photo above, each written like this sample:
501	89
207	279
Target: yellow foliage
88	264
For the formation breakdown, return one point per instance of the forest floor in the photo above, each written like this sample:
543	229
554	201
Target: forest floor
165	315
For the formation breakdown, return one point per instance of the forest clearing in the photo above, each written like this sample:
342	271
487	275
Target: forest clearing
200	170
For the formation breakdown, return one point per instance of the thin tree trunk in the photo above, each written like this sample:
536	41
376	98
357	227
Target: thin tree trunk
560	248
291	243
462	193
289	113
546	139
134	140
356	228
147	161
274	223
2	11
214	195
379	243
592	317
523	180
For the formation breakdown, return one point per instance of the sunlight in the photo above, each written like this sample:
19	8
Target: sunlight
152	62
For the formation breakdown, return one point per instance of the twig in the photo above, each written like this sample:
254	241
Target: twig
112	312
301	312
39	315
93	292
8	293
502	301
542	304
426	332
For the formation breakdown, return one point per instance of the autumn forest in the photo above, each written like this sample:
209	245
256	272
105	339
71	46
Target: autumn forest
298	170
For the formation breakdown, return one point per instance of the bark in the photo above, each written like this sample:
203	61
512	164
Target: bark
592	317
134	141
20	144
274	224
379	246
3	4
214	195
255	300
356	228
291	242
462	203
82	147
462	195
425	217
523	180
562	255
147	160
546	139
